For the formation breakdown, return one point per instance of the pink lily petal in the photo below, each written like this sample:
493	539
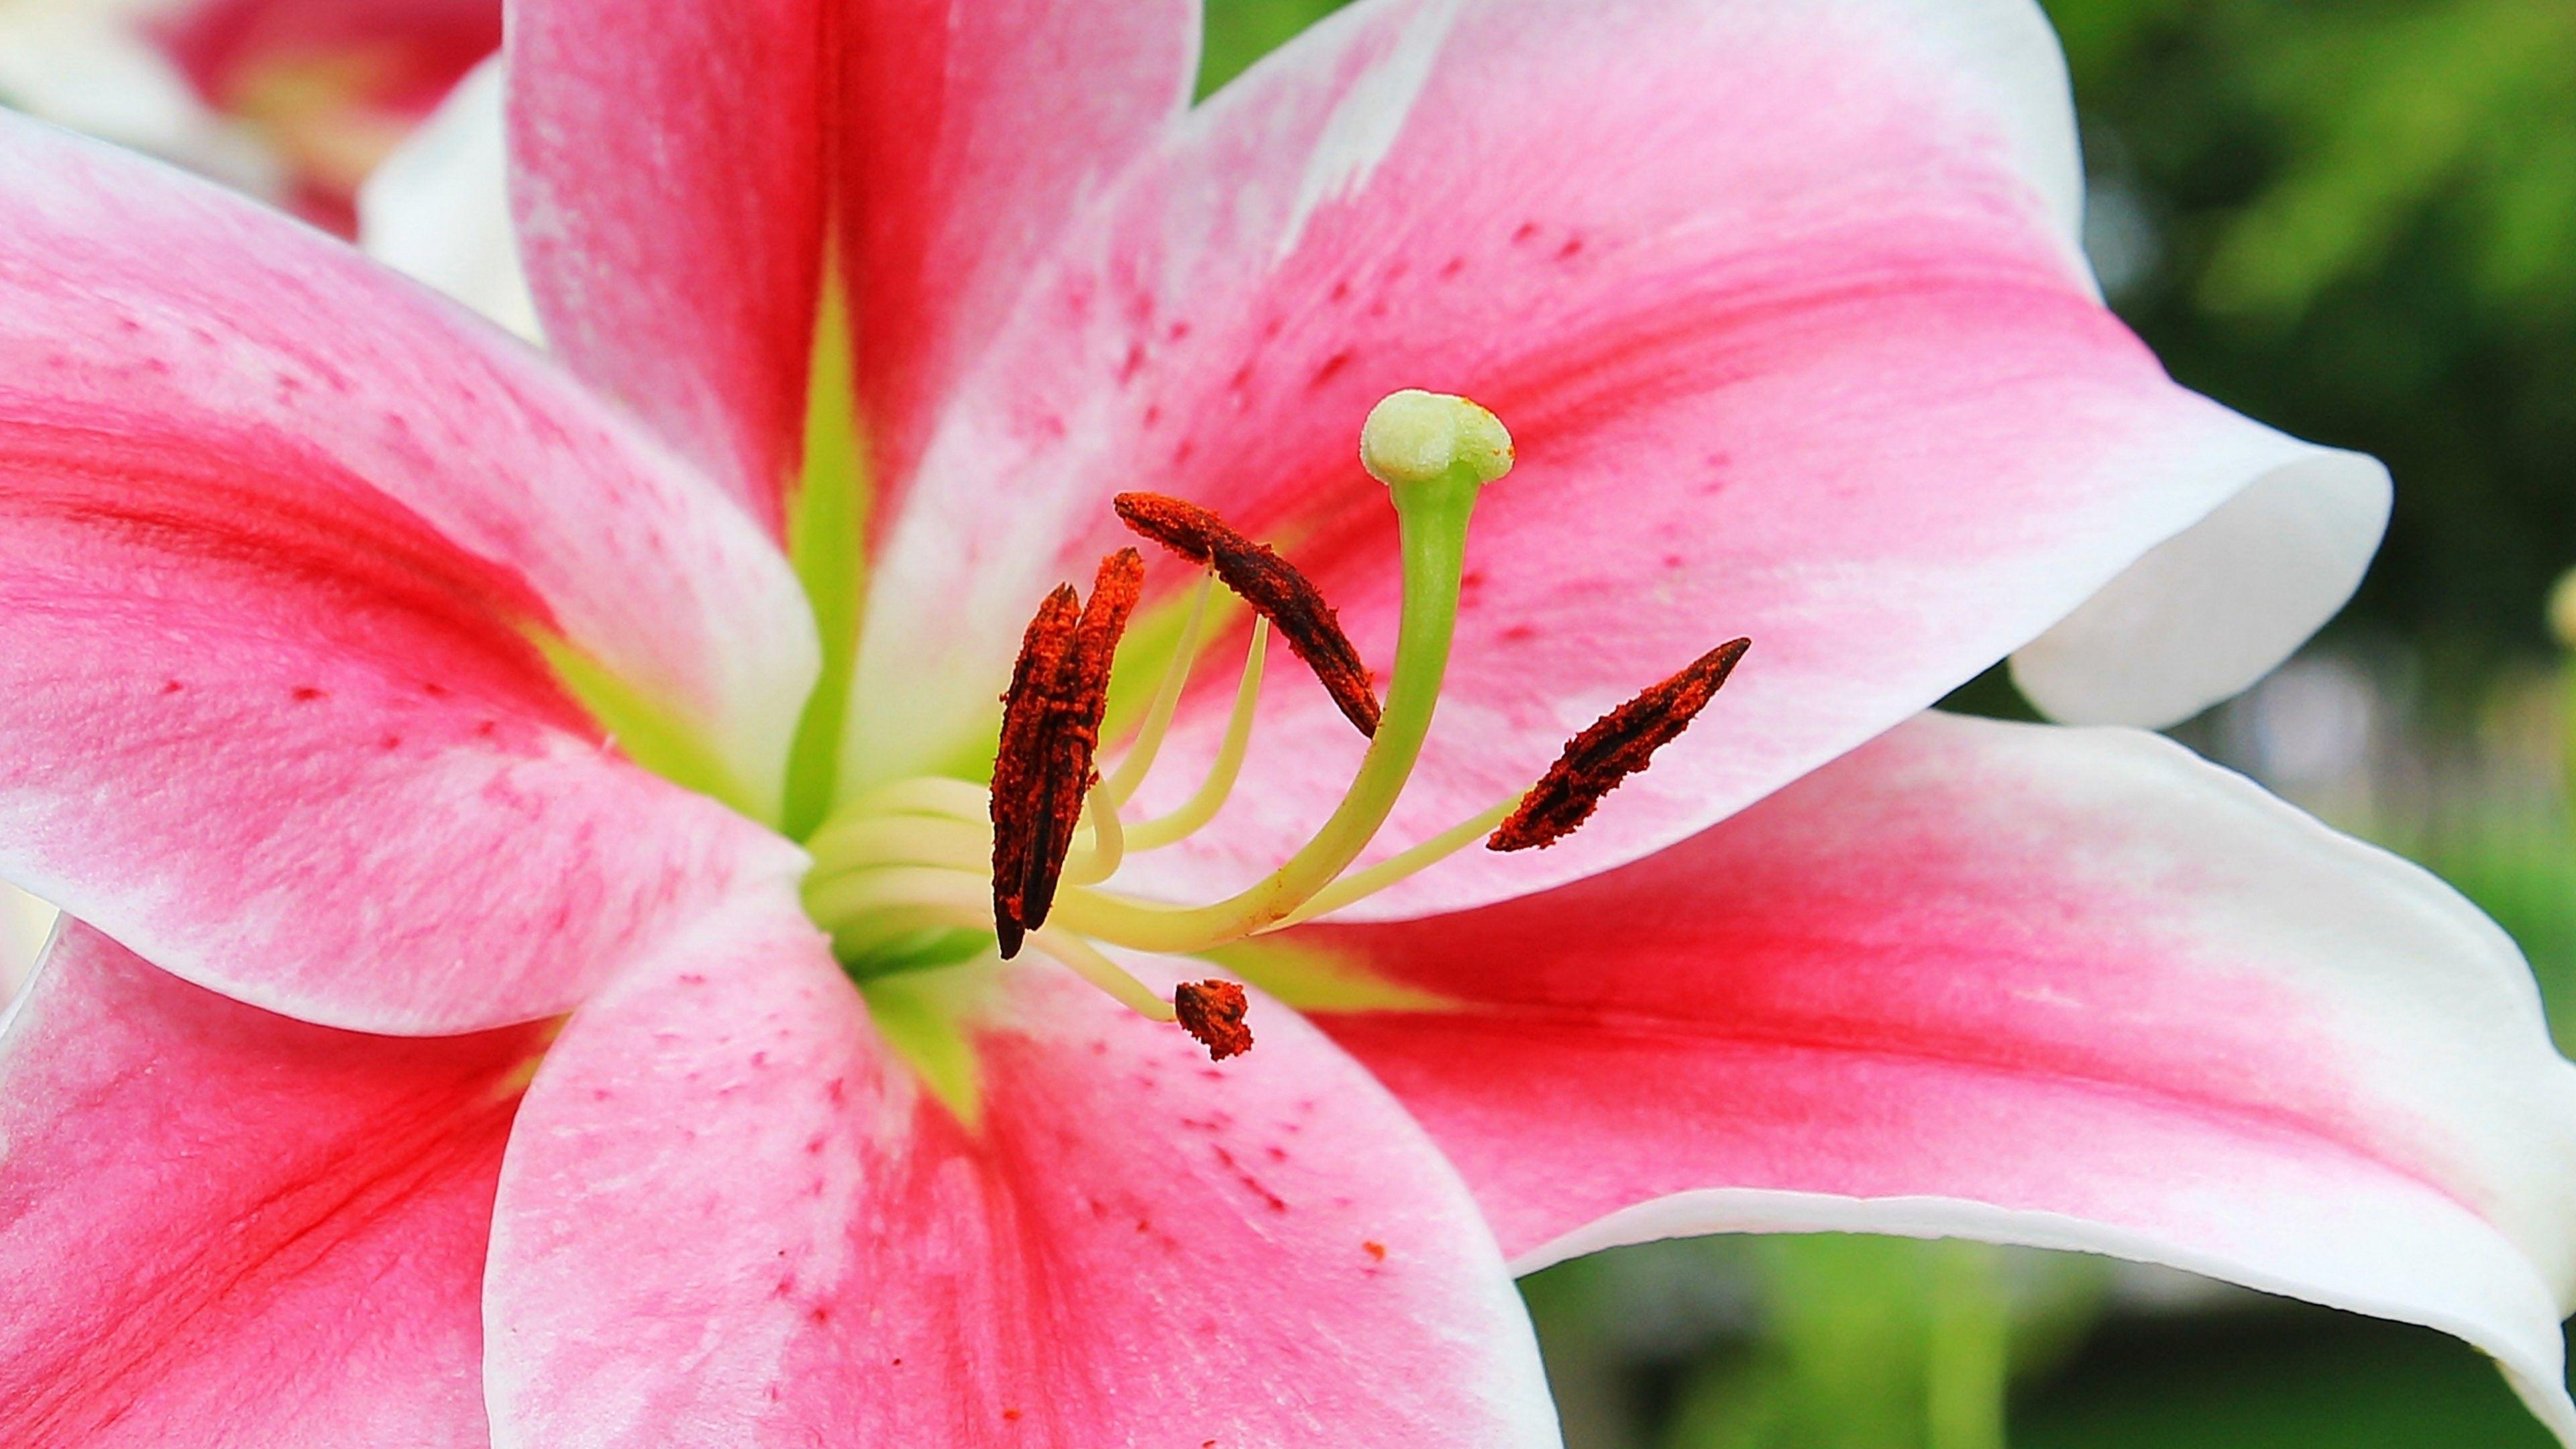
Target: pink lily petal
221	1227
732	1216
679	165
276	525
1782	305
2064	987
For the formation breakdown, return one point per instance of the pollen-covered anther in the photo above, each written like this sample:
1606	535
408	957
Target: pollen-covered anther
1271	585
1212	1011
1042	769
1618	745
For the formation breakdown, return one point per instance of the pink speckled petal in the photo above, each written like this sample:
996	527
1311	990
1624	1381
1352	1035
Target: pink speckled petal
1782	305
275	528
2042	985
219	1227
680	165
733	1216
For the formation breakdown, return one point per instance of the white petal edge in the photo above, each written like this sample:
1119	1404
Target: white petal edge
2228	598
2498	1306
2221	604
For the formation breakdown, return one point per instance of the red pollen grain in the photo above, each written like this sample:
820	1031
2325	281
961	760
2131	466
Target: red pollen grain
1050	729
1212	1011
1618	745
1271	585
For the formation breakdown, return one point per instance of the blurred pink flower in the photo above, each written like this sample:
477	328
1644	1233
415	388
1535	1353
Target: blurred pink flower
375	693
293	100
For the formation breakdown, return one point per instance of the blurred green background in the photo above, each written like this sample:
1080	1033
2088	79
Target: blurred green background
2356	221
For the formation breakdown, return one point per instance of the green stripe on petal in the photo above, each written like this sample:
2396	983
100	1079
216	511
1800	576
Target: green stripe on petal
649	734
826	533
922	1016
1313	978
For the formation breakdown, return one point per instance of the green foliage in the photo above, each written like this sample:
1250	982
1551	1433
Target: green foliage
1240	32
2278	1378
1872	1343
2360	218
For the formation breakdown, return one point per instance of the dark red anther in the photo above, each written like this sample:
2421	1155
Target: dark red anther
1050	730
1616	746
1212	1011
1271	585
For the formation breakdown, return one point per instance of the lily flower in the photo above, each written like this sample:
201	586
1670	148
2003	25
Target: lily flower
618	899
296	101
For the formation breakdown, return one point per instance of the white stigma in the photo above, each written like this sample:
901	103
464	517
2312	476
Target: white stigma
1420	437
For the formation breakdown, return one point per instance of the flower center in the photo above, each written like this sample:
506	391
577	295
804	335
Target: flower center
927	872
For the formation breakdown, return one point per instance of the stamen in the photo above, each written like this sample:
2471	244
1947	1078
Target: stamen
869	842
1108	843
1271	585
1202	806
1132	770
1213	1011
1021	761
1088	962
918	795
1050	730
863	909
1618	745
1361	884
876	907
